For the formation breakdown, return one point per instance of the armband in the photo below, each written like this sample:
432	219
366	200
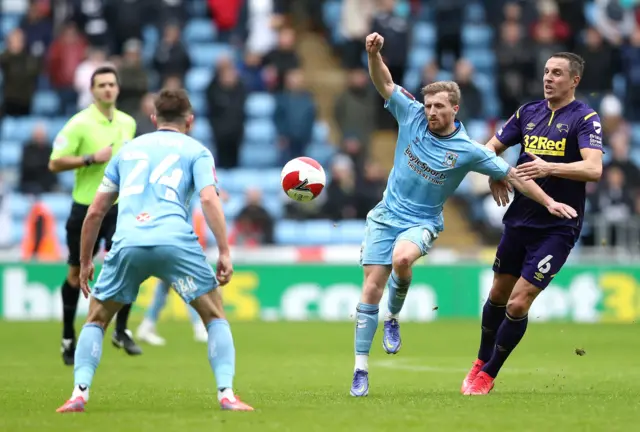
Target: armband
107	186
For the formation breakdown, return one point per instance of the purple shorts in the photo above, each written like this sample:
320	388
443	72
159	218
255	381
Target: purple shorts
533	253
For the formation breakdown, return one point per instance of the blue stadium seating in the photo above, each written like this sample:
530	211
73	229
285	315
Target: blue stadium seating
10	153
199	30
207	54
260	105
197	79
260	130
424	34
46	103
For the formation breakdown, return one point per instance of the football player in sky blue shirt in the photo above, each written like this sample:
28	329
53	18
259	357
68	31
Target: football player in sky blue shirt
154	178
562	149
433	155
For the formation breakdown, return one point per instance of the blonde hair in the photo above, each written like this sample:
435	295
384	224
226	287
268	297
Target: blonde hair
450	87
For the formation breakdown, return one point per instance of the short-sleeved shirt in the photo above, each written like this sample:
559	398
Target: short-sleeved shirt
555	136
427	168
156	175
85	133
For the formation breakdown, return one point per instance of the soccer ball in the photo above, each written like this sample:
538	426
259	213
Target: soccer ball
303	179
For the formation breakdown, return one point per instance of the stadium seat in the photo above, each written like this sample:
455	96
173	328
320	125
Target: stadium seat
412	79
320	132
476	36
10	153
54	126
273	204
260	105
197	79
474	12
483	59
238	180
419	57
19	205
634	156
46	103
66	180
58	203
233	206
199	30
208	54
318	232
258	155
350	231
477	130
202	132
424	34
332	13
17	231
590	13
259	131
287	232
8	23
199	103
322	152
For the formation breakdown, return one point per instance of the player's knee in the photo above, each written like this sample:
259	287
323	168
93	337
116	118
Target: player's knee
404	255
73	276
521	299
502	288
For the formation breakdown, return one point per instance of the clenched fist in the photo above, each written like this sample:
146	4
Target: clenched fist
374	43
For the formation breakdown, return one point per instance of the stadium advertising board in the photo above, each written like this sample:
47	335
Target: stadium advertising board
30	291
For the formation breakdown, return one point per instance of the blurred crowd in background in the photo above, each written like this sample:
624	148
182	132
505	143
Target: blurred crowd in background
248	72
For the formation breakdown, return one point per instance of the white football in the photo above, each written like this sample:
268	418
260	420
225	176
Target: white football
303	179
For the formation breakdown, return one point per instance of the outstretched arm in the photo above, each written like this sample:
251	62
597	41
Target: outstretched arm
530	189
378	71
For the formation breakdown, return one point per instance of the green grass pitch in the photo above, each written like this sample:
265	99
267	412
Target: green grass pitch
297	376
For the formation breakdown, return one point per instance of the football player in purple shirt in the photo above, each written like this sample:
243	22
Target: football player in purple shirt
562	150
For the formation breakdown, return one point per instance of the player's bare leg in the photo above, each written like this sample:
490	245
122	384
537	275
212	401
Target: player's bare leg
221	350
88	352
508	336
375	278
493	313
404	255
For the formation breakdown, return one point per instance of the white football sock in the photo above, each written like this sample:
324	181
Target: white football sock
77	391
226	394
389	316
362	362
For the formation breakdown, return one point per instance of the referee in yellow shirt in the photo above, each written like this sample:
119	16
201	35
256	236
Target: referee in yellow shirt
85	145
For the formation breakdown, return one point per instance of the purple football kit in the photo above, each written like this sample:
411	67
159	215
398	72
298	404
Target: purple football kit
535	244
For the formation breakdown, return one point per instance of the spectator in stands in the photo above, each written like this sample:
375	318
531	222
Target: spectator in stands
225	15
354	148
65	55
598	77
631	72
355	25
548	17
355	108
254	225
281	60
448	30
134	80
545	45
172	83
143	117
35	176
262	36
515	67
252	73
370	188
38	28
226	97
619	144
615	22
429	75
20	72
125	19
170	11
171	57
96	57
396	30
341	193
572	12
89	16
614	203
612	118
295	116
471	107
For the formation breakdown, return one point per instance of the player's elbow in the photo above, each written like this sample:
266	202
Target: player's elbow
596	172
209	196
54	166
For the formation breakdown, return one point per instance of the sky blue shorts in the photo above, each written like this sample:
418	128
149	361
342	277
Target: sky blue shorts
184	268
383	230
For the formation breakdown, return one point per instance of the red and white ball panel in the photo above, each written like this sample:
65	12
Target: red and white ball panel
303	179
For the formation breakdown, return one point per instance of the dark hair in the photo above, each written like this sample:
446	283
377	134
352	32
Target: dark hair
103	70
576	63
172	106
